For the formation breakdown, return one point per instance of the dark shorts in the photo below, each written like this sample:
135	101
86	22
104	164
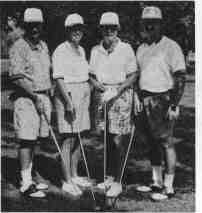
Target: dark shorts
155	112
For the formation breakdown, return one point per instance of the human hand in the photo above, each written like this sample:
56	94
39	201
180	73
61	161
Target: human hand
109	94
138	107
70	114
99	86
173	112
39	104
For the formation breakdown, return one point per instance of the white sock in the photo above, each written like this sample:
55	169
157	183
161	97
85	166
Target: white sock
157	176
26	175
168	182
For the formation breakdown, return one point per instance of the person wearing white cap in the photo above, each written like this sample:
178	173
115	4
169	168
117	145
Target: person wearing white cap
30	72
113	73
162	80
72	97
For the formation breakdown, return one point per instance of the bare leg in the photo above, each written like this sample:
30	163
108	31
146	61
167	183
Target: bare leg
75	156
119	141
66	163
170	158
25	157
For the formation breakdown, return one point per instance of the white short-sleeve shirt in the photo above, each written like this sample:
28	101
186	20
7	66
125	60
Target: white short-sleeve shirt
113	68
70	64
157	63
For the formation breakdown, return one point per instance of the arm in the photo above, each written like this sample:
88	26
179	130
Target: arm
178	89
66	97
130	80
95	83
22	84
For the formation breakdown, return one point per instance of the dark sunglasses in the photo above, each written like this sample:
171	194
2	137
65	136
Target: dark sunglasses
109	27
78	27
33	25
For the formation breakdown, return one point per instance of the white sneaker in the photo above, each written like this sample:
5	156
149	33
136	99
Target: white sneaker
106	184
71	188
30	190
41	186
115	190
81	181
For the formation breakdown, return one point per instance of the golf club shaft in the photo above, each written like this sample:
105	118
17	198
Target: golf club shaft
105	140
85	162
127	153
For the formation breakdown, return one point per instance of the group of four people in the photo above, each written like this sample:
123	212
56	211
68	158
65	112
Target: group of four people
152	82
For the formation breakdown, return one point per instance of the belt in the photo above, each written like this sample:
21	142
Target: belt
45	92
118	84
145	93
81	82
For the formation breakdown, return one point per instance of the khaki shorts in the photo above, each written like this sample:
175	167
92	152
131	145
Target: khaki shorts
80	93
28	124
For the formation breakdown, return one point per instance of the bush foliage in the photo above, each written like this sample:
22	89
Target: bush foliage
178	20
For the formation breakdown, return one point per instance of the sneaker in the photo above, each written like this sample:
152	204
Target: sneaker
71	188
30	190
152	187
114	190
165	194
41	186
106	184
81	181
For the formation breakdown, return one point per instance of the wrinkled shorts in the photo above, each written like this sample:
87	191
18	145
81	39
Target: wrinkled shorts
80	93
28	124
156	108
119	112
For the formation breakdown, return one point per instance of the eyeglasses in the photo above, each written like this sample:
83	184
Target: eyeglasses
109	27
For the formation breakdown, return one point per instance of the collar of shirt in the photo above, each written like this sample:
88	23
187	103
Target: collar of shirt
33	47
154	43
69	46
103	50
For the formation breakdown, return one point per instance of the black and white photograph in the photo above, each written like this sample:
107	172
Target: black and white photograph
98	106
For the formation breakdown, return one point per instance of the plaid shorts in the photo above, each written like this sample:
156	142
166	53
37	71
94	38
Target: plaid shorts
28	124
156	108
119	112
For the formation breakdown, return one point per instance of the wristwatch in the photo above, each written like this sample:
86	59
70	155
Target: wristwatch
173	107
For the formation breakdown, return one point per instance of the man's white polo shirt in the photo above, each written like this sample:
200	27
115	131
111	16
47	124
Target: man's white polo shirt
113	68
157	63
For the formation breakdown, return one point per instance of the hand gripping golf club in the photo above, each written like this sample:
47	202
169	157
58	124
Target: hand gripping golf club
55	141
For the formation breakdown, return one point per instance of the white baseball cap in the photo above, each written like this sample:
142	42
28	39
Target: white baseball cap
73	19
151	13
33	15
109	18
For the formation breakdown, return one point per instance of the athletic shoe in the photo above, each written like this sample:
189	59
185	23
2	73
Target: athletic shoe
81	181
106	184
152	187
71	188
165	194
114	190
30	190
41	186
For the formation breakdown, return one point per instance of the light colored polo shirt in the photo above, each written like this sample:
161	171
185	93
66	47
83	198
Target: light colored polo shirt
32	63
157	63
113	68
69	64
